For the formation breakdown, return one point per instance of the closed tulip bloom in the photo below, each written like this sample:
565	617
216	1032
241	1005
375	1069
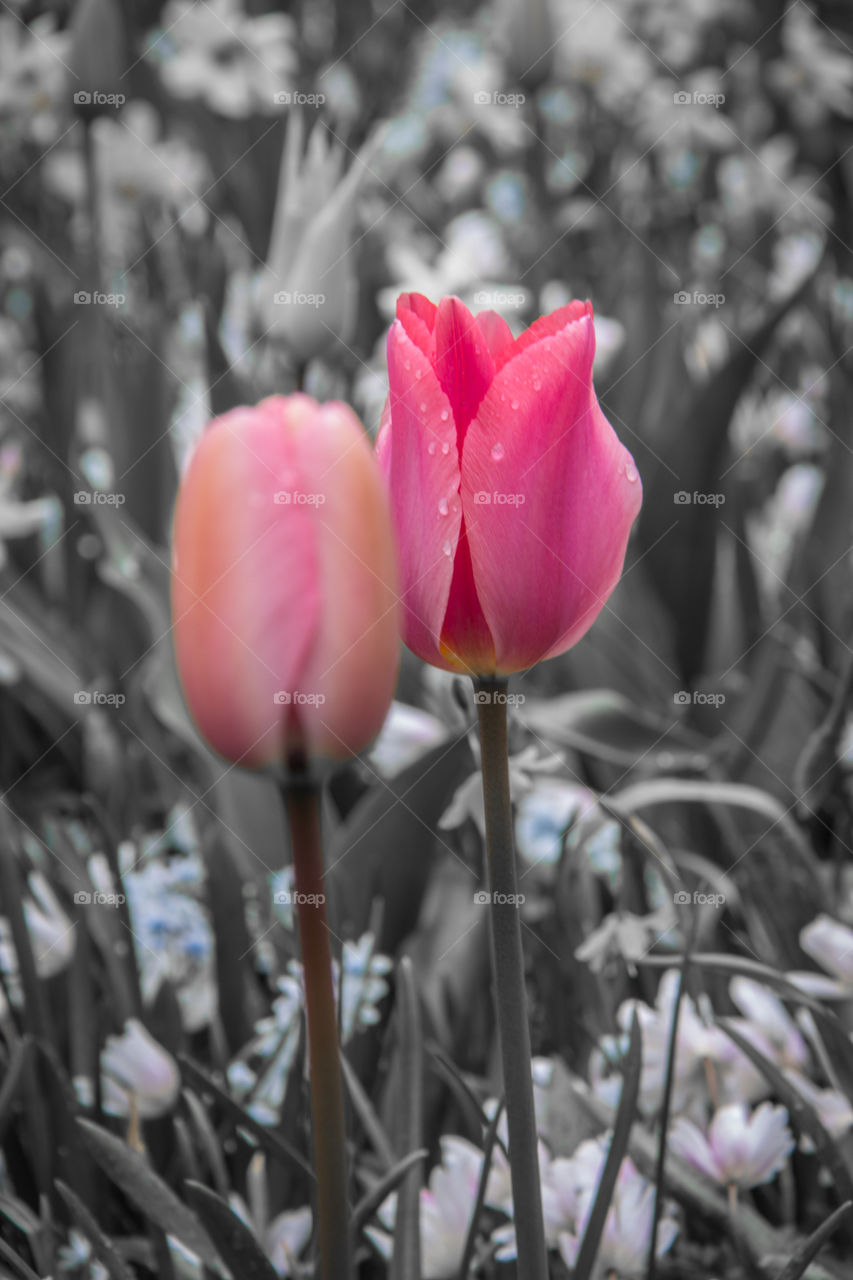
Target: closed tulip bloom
283	584
511	494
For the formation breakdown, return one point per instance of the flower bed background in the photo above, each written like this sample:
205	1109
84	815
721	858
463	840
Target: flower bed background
203	204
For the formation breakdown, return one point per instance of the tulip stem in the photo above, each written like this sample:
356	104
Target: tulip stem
510	993
302	801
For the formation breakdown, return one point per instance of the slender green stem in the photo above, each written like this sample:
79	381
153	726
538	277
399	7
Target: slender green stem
510	994
301	796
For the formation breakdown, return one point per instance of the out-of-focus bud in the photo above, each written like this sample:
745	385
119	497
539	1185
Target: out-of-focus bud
98	58
283	584
526	34
307	295
136	1069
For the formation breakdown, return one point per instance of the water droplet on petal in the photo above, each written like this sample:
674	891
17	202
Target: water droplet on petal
418	373
498	451
514	404
631	473
431	447
445	448
442	506
407	364
423	406
537	384
447	548
445	414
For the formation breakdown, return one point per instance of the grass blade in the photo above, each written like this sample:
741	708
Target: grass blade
810	1248
406	1258
618	1147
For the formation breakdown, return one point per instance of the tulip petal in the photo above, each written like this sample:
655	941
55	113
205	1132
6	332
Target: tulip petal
350	674
549	495
241	632
422	470
463	362
417	316
496	334
546	327
466	641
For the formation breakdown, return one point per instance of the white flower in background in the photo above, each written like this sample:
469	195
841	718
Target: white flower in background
364	985
468	802
473	264
77	1253
407	734
830	944
544	815
446	1208
286	1237
696	1043
51	935
766	1012
627	1234
833	1108
214	51
747	1149
770	1028
282	1238
626	936
262	1088
136	1071
172	934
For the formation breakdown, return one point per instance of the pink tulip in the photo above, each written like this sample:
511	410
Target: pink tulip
512	496
283	584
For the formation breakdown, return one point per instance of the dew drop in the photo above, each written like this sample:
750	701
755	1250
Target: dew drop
445	448
631	473
514	404
447	548
445	414
537	384
431	447
423	406
418	373
498	451
442	506
454	507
